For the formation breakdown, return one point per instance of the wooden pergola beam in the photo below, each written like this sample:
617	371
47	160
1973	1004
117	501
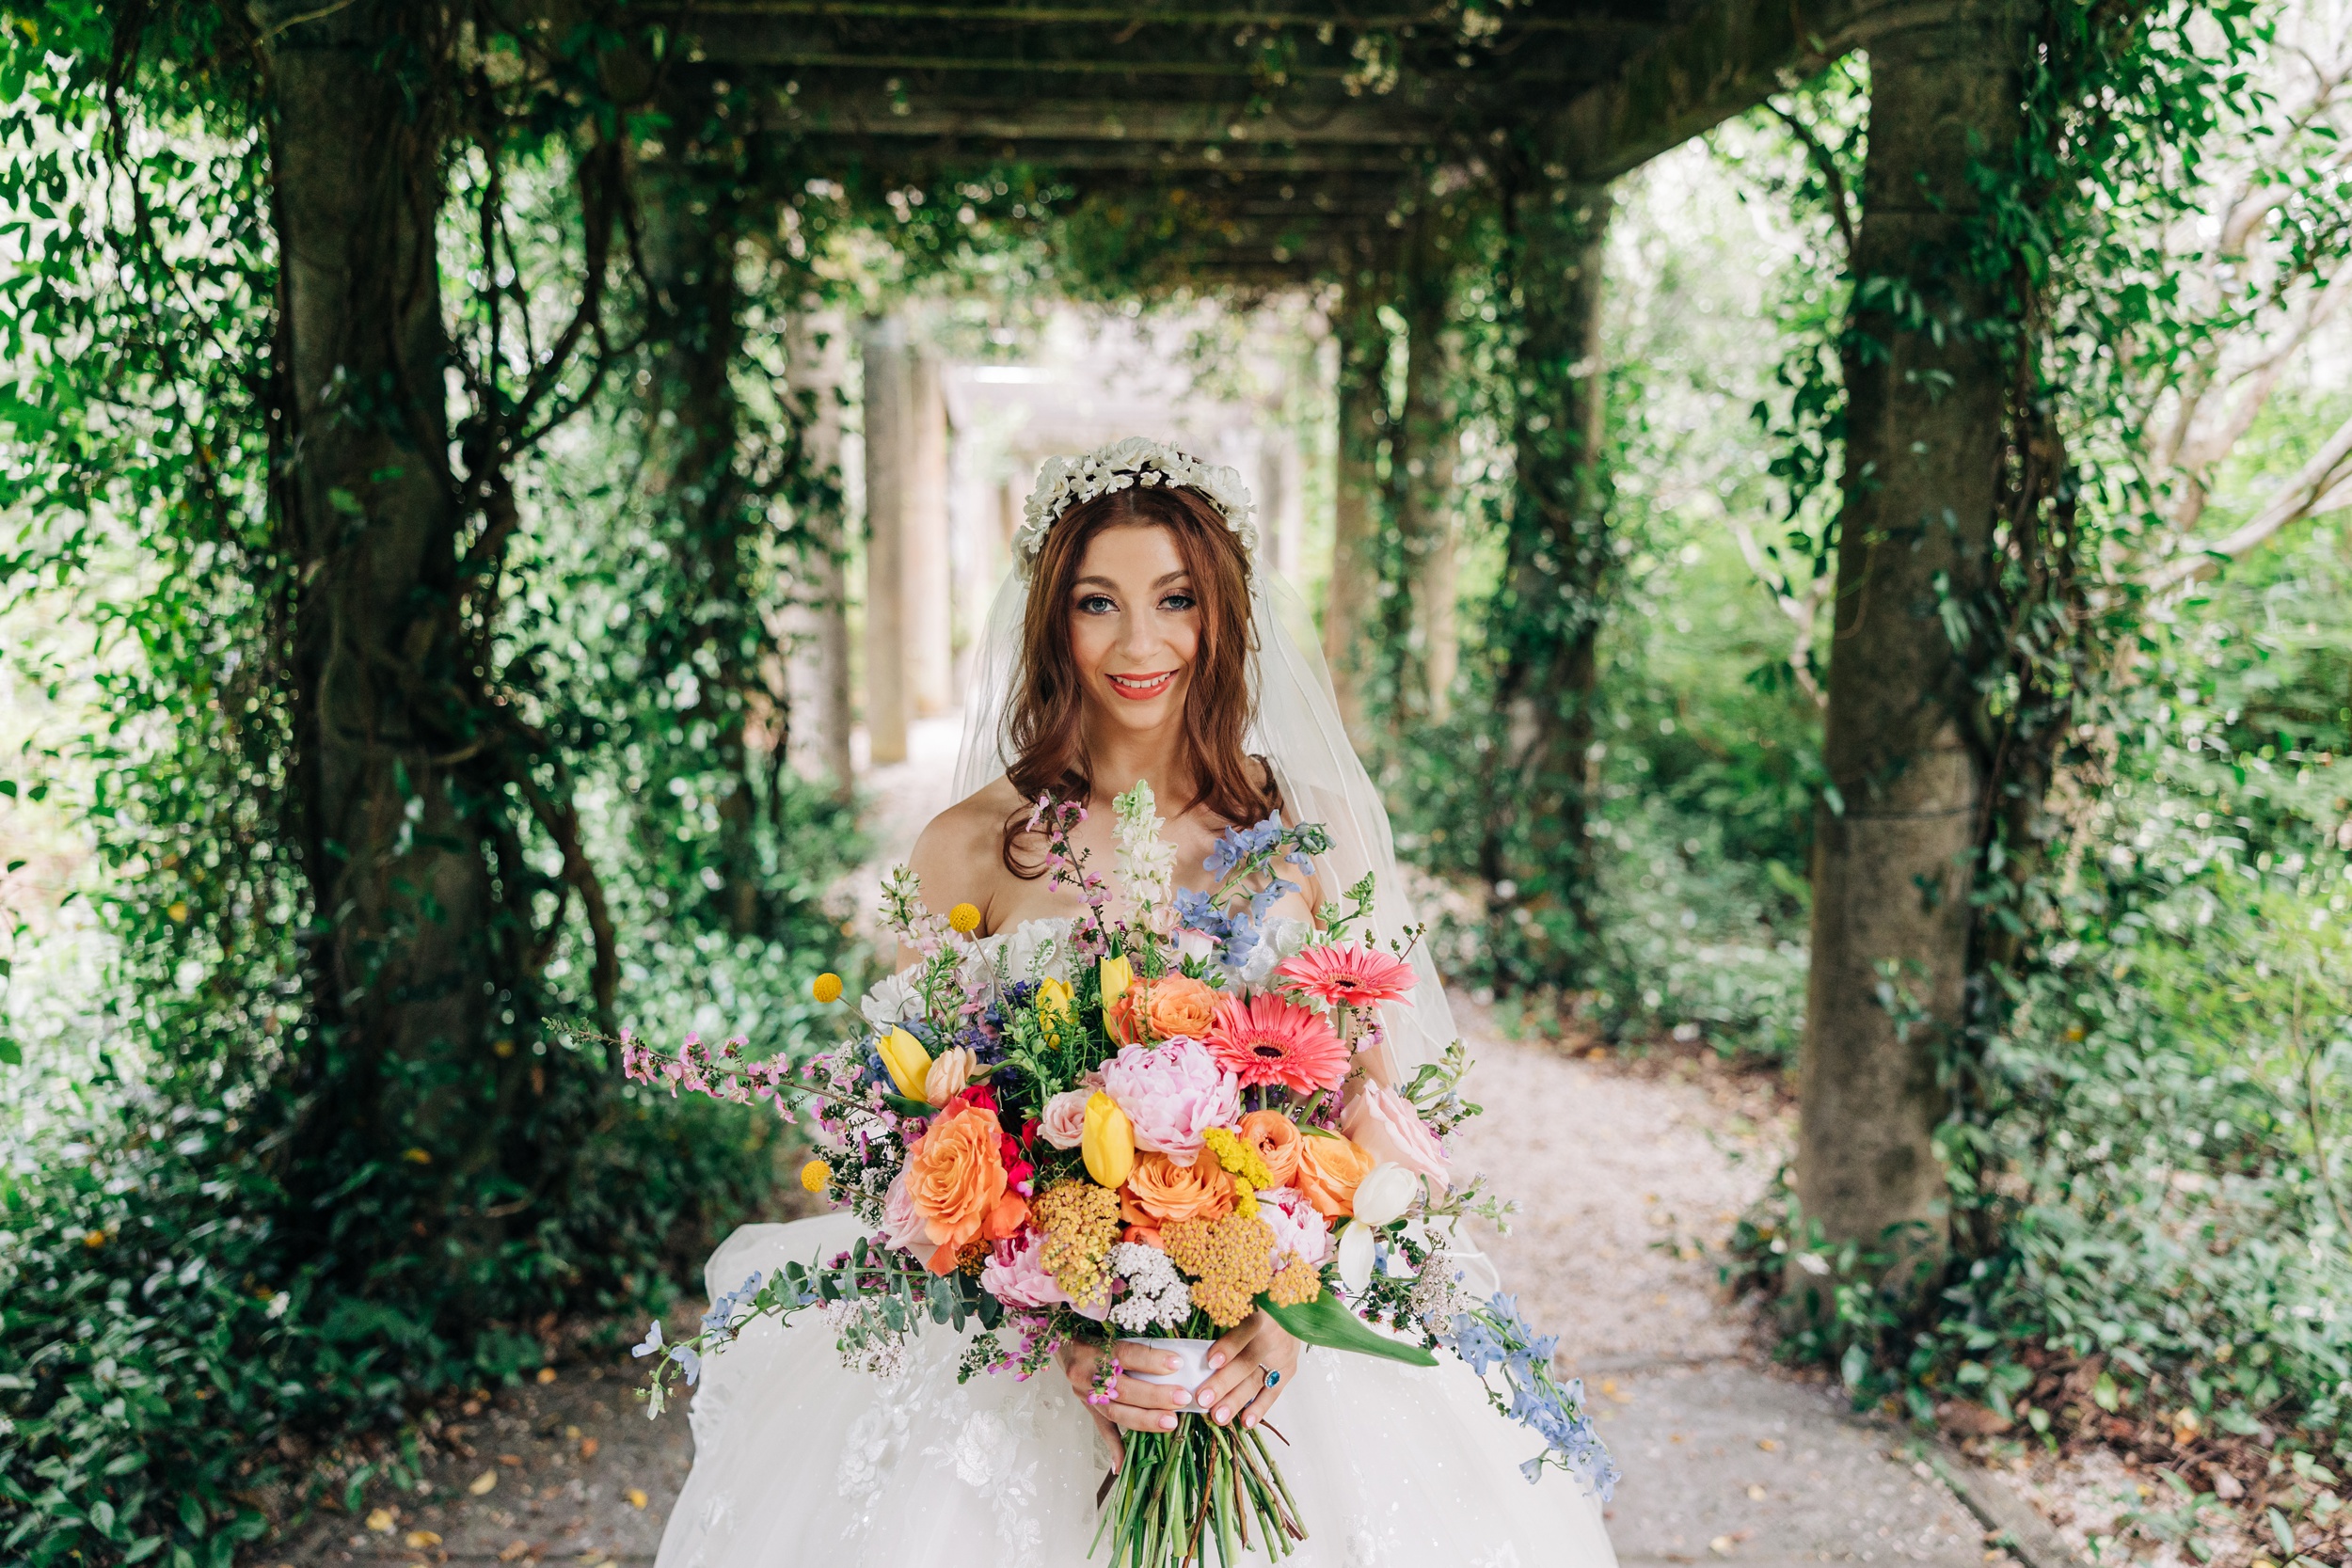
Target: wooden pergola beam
1728	56
1138	123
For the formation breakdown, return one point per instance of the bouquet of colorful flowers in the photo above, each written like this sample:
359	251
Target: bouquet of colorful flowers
1149	1122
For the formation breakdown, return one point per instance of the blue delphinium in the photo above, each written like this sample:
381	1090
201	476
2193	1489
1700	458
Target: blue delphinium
1496	1335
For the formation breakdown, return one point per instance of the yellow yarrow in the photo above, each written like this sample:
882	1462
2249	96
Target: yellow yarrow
1241	1159
1230	1260
964	918
1295	1283
816	1175
826	988
1080	1221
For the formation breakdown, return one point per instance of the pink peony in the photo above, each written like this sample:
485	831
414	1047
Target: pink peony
1382	1121
902	1226
1013	1275
1172	1092
1064	1121
1297	1228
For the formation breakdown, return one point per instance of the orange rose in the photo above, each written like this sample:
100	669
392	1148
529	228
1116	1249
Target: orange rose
956	1182
1329	1170
1161	1191
1164	1009
1144	1235
1275	1138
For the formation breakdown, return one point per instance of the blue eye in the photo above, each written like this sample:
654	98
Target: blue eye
1097	604
1178	601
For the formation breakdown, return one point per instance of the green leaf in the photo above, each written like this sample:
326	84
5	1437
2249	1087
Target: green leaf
143	1548
906	1107
12	1053
1327	1322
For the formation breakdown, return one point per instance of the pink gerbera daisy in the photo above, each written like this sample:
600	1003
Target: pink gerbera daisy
1348	976
1268	1040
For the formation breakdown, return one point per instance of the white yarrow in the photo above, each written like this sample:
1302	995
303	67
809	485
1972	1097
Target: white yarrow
1156	1294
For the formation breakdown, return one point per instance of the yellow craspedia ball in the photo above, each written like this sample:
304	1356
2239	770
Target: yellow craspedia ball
814	1174
826	988
965	918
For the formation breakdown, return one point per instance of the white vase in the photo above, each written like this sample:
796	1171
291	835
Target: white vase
1192	1366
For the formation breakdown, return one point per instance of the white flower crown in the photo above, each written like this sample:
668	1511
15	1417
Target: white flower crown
1063	483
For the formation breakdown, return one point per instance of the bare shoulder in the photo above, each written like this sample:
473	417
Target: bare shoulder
960	855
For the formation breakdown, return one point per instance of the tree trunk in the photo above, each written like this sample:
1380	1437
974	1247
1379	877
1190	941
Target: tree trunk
1896	834
1352	599
1559	564
1425	508
889	419
422	986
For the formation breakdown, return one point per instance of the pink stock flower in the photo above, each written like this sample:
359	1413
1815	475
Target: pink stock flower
1268	1040
1297	1228
1014	1276
1348	975
1382	1123
1172	1093
1064	1119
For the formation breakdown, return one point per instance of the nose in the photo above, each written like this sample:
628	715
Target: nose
1140	633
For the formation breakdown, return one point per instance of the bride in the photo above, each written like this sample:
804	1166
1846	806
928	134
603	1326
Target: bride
1133	642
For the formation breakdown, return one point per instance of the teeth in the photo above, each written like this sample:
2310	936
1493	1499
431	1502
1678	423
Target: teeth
1130	684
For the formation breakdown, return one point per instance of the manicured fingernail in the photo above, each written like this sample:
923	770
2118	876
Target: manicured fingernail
1168	1423
1215	1361
1183	1397
1223	1416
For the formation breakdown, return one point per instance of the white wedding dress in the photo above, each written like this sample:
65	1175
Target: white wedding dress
800	1462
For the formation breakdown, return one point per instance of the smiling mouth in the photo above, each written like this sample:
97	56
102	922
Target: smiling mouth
1140	687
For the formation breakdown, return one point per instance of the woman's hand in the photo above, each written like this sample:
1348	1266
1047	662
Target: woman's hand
1254	1362
1139	1406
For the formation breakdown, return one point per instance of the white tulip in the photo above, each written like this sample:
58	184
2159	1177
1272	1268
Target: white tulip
1356	1257
1386	1192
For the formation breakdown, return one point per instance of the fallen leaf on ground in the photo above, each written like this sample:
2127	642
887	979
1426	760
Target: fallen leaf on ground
513	1550
512	1461
380	1520
1722	1545
547	1374
1767	1444
483	1482
587	1447
636	1497
419	1539
1755	1494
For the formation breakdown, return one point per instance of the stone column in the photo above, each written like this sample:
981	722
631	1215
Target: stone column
928	558
817	364
1895	838
889	443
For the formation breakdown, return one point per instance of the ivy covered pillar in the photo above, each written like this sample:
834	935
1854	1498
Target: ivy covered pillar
707	641
1425	447
421	1095
1559	564
1351	601
1897	829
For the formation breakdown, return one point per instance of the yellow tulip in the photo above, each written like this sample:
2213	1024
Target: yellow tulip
909	1064
1054	996
1118	975
1109	1141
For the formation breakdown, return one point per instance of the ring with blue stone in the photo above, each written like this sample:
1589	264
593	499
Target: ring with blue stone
1272	1377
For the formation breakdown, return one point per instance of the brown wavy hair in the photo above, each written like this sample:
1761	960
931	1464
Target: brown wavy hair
1045	724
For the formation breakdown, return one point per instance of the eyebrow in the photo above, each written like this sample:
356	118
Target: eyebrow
1164	579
